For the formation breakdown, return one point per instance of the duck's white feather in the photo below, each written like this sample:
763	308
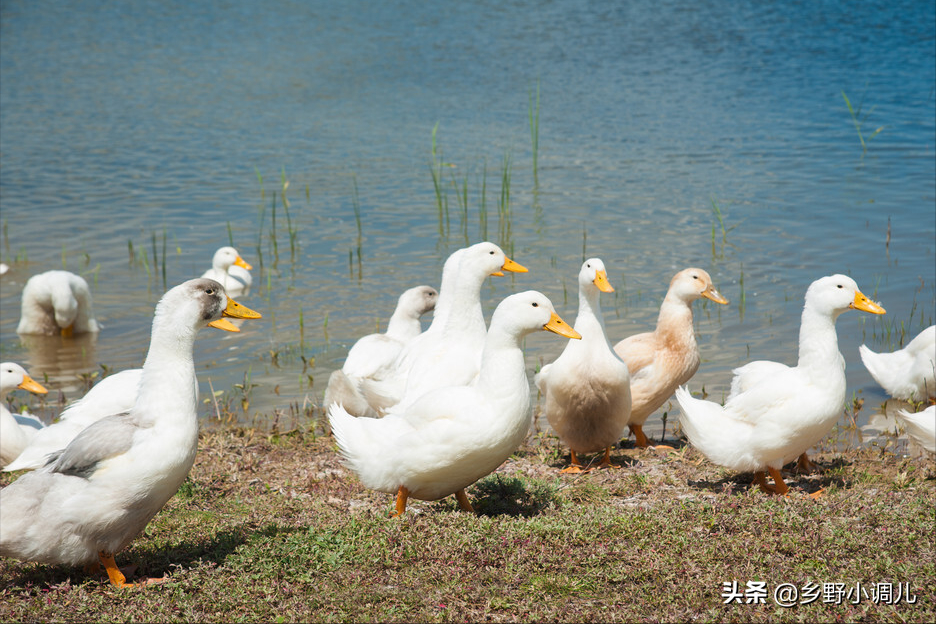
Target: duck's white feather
100	492
587	388
54	301
451	436
777	412
921	426
908	373
230	270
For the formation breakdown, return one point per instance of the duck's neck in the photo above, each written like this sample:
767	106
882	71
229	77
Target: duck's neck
168	380
674	324
589	321
403	326
818	343
503	371
465	314
446	293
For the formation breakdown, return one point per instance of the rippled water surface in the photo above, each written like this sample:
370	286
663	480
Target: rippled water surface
138	138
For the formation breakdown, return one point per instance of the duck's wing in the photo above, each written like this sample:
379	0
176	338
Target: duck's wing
371	356
638	353
103	440
752	373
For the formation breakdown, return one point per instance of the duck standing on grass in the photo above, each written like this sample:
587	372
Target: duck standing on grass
373	355
662	360
587	388
91	499
774	413
230	270
16	431
57	302
452	436
908	373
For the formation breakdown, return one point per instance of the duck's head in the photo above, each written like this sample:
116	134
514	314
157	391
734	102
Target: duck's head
594	275
691	284
529	311
13	376
201	302
419	300
226	257
835	294
490	258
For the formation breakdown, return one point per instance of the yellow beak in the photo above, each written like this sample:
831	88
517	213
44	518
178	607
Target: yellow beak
863	303
714	295
601	281
233	310
560	327
513	267
32	385
242	263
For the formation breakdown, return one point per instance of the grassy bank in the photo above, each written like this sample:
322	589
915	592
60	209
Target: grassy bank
274	528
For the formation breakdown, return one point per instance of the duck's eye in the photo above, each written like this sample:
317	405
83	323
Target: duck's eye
210	291
840	286
492	252
695	277
535	305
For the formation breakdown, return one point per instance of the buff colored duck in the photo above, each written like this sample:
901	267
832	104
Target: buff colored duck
373	355
452	436
662	360
771	419
94	497
908	373
17	430
57	302
587	388
230	270
448	353
920	426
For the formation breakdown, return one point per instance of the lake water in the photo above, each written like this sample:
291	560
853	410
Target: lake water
129	129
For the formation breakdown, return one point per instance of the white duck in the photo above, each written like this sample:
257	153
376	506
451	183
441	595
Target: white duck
662	360
54	302
908	373
372	355
587	388
774	413
230	270
94	497
453	436
448	353
16	431
115	394
921	426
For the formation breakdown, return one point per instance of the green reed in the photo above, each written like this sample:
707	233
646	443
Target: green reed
534	131
720	221
741	299
435	168
301	332
461	196
293	232
859	121
482	204
230	234
273	232
64	254
503	204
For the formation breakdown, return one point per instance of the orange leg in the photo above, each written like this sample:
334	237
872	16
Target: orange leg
804	465
117	577
780	486
575	468
402	495
639	438
606	460
463	501
760	478
69	331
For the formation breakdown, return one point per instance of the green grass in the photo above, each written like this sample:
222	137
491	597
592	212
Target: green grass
271	527
858	120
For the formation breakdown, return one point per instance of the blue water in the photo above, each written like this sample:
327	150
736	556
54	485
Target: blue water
124	122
